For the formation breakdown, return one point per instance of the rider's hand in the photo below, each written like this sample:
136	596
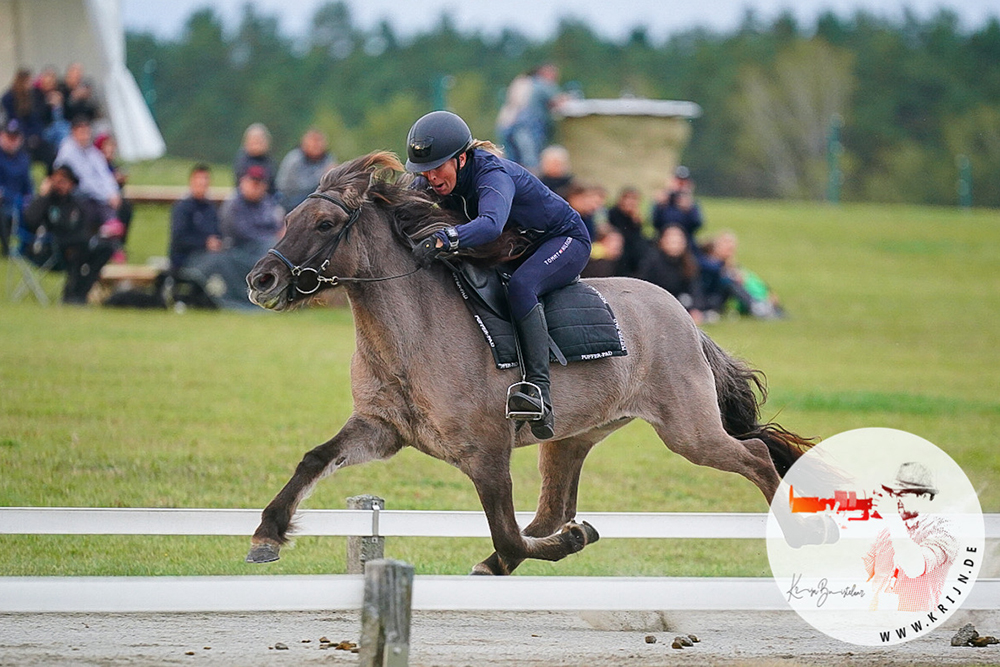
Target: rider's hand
427	250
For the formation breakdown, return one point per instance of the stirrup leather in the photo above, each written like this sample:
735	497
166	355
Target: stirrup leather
531	390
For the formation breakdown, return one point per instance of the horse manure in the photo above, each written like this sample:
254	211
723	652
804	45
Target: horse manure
684	641
280	647
984	641
307	641
345	646
676	644
650	639
694	638
324	640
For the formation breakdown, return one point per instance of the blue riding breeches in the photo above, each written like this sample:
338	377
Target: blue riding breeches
555	263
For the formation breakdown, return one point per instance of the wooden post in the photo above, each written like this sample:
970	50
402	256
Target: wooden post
385	614
361	549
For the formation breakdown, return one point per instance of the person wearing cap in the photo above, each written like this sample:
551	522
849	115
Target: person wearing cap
908	563
16	187
491	194
70	225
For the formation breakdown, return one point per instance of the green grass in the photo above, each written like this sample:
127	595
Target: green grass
893	322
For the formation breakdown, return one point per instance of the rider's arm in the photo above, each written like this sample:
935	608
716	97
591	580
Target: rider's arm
496	193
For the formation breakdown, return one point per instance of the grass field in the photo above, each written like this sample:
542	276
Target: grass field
893	322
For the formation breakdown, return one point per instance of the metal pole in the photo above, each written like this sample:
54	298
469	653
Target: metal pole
362	549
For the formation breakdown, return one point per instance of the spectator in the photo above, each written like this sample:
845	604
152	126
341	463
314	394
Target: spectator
606	242
674	267
554	169
194	222
256	151
626	218
108	145
16	186
26	104
91	168
67	225
723	279
678	207
251	221
531	130
302	168
56	123
78	95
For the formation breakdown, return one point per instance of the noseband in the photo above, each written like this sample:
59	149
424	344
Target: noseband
307	279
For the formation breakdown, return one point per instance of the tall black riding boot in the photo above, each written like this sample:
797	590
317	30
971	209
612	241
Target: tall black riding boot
534	337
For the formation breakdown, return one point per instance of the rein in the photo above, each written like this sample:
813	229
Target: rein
307	279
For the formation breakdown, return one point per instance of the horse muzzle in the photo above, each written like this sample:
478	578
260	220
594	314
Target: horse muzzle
268	284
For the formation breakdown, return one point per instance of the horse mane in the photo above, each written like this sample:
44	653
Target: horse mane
380	179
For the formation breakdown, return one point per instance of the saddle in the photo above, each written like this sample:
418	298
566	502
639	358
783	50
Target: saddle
581	324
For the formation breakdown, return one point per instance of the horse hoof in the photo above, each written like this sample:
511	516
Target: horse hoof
263	553
482	570
578	535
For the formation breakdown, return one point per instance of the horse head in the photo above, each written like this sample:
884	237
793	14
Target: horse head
316	246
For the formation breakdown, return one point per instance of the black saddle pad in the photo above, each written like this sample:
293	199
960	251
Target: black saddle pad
581	323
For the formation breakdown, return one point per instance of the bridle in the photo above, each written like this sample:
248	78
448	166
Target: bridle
307	279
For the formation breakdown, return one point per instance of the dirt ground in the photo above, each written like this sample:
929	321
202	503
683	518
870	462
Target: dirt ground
458	639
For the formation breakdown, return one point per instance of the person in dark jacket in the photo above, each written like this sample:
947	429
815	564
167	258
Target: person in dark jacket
493	194
16	187
72	223
678	207
673	266
626	218
194	221
256	152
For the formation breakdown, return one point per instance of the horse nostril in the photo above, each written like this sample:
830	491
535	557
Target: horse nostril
263	281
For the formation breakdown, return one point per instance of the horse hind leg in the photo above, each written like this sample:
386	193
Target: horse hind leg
360	440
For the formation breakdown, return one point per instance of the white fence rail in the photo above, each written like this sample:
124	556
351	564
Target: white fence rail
329	592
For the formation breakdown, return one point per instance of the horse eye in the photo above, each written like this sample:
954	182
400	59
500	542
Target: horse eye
325	226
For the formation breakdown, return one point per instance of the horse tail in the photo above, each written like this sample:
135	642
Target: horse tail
741	391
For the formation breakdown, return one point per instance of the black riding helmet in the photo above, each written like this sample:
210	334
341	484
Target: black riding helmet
434	139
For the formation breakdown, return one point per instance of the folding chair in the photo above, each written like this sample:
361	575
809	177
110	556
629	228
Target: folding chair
30	274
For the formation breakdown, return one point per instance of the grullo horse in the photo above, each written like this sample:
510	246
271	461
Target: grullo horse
423	377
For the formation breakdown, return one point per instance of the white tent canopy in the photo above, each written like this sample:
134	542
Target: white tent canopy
37	33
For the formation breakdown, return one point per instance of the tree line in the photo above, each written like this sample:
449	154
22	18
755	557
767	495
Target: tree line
895	105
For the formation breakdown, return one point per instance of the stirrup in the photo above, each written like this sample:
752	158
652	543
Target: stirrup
531	390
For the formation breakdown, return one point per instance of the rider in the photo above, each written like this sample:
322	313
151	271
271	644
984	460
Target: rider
492	193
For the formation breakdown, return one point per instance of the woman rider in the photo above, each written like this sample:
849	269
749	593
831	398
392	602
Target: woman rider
492	193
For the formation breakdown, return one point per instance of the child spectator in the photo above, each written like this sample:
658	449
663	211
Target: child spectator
723	279
108	145
674	267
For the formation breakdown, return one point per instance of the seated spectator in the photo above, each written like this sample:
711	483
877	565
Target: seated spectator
554	169
302	168
725	281
26	104
78	95
256	151
251	222
676	206
674	267
67	226
194	222
91	168
108	145
16	186
626	218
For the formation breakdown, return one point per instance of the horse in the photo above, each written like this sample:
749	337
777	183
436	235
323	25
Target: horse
418	352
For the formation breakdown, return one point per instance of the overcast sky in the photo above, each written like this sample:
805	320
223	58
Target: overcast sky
538	18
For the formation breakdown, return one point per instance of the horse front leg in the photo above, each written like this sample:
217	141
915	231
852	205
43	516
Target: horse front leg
491	476
361	439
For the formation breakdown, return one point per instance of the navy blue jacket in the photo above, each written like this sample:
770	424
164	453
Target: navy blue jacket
192	221
15	178
494	193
